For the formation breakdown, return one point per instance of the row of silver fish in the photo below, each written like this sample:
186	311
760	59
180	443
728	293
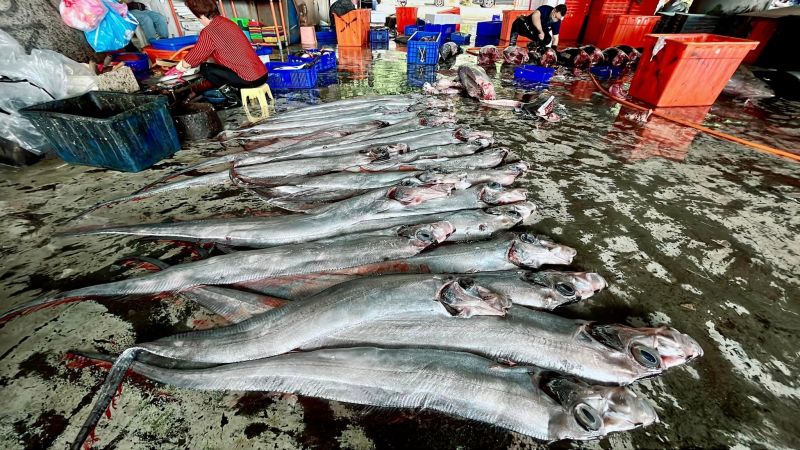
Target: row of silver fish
395	280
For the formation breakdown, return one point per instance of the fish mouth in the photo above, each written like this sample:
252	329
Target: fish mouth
495	194
462	297
533	251
414	195
428	234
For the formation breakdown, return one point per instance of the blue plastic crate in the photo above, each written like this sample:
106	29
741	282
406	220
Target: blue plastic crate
409	30
424	52
533	74
302	78
480	41
419	74
461	38
117	131
326	36
262	50
606	71
326	61
490	28
377	35
138	62
444	29
175	43
379	46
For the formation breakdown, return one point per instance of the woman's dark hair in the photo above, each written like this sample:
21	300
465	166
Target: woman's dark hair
206	8
560	8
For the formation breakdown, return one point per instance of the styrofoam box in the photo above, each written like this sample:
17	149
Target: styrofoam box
377	17
442	19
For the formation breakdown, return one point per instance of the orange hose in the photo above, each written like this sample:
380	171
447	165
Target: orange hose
172	57
760	147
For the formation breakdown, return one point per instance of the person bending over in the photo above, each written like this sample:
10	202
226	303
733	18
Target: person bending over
236	63
541	27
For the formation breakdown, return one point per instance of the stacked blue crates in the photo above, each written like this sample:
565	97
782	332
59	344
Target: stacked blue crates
460	38
488	33
411	29
444	29
424	51
326	36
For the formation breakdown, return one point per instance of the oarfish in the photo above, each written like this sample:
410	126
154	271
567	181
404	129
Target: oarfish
605	353
374	210
541	404
249	266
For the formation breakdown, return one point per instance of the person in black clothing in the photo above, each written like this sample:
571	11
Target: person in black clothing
541	27
340	8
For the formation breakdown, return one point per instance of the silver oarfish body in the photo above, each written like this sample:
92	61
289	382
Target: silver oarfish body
248	266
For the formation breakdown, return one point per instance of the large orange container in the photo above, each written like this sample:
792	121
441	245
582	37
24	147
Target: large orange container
171	55
508	19
687	69
406	15
643	7
762	31
598	11
624	29
352	29
571	24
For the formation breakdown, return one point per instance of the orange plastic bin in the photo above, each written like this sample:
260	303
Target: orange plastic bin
598	12
406	15
508	19
571	24
352	29
687	69
625	29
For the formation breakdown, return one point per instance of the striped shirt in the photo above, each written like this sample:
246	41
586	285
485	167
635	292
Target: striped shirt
226	43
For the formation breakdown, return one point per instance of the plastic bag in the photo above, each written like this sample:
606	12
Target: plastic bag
114	32
42	76
83	15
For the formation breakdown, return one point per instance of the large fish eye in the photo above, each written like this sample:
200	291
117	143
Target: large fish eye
529	238
495	185
515	213
466	283
565	289
588	417
424	235
646	356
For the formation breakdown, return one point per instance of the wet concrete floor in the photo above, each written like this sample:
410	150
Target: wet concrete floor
690	231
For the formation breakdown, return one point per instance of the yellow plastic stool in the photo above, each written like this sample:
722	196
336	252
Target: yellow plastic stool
260	94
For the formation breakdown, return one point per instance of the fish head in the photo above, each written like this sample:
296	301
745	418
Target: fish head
471	136
652	350
435	121
427	234
496	194
528	250
548	58
513	214
463	297
565	288
414	195
581	60
592	411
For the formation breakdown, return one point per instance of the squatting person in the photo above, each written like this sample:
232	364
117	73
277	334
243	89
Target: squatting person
541	27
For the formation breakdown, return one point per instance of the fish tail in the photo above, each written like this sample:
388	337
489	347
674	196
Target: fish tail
107	393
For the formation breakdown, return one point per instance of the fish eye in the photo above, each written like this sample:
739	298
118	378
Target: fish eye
646	356
495	185
423	235
529	238
466	283
514	213
587	417
565	289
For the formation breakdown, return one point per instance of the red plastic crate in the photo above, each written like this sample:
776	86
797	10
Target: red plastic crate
596	21
508	19
571	24
643	7
762	31
406	15
624	29
689	70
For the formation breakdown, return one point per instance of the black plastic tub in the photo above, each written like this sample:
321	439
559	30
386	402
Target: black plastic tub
195	121
126	132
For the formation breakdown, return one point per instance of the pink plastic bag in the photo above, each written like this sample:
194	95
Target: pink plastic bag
83	15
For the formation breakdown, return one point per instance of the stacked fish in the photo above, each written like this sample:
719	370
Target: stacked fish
393	280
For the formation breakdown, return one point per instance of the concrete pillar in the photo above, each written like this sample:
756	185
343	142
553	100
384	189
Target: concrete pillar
37	24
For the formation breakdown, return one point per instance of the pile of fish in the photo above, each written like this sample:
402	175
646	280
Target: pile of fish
621	56
394	278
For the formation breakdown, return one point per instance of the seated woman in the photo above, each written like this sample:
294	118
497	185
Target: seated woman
236	63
